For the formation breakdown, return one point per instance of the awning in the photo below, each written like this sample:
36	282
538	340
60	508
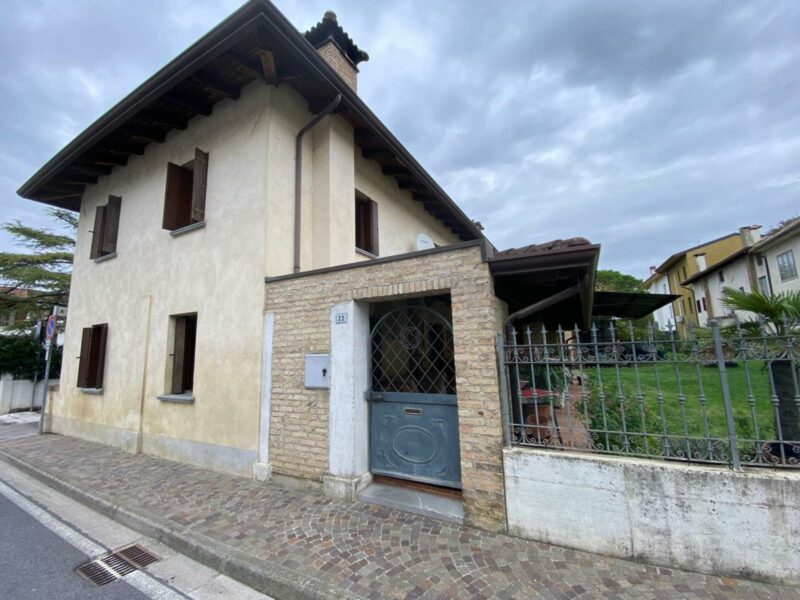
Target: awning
629	305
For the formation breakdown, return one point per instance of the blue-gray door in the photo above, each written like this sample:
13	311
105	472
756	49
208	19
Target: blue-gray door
413	404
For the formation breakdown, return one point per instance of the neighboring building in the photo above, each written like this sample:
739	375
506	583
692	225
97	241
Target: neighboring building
776	259
257	255
765	264
682	265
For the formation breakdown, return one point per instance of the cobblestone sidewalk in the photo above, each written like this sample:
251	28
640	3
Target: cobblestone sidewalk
363	550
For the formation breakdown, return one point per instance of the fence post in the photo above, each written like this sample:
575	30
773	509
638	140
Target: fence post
505	399
726	395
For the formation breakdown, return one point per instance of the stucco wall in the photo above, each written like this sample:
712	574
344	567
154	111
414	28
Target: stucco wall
704	519
771	254
299	417
18	394
216	271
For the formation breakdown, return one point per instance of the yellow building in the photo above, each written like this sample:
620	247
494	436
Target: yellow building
682	265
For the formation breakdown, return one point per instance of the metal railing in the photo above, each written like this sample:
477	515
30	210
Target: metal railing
721	396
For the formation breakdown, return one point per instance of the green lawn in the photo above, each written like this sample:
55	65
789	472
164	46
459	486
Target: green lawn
647	419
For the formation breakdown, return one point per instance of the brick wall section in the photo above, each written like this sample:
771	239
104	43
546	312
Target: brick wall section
299	417
340	63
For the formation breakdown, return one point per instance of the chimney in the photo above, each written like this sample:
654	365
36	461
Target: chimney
700	259
336	47
652	270
750	235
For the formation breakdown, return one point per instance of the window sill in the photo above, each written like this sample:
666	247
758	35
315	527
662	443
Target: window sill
365	253
92	391
187	229
177	398
105	257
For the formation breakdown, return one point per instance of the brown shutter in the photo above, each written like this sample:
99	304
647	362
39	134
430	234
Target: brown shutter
83	365
111	226
373	227
99	334
178	197
179	352
199	182
97	232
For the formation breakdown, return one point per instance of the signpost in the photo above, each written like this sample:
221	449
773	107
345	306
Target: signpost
49	332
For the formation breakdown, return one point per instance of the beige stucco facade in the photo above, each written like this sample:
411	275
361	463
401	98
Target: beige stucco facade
216	271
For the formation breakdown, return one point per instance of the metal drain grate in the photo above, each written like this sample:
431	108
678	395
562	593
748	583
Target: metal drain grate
117	564
137	555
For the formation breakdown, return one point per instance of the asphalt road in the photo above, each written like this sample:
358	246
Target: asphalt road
38	564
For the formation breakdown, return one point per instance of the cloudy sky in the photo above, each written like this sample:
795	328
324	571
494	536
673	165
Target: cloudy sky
644	126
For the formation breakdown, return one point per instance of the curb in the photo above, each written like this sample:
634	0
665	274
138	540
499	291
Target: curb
265	577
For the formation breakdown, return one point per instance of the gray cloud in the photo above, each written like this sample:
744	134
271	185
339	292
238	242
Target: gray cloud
646	127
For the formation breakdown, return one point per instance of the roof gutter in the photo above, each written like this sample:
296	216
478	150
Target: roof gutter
298	174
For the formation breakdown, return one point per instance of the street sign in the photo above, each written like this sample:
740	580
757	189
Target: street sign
60	311
50	330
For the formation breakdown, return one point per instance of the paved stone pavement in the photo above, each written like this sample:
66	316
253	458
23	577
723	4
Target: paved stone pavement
363	550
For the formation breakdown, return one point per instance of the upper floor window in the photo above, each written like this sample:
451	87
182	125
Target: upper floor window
185	196
93	356
786	265
366	224
106	227
721	275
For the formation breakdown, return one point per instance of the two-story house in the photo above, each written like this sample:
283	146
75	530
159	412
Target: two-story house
681	266
266	282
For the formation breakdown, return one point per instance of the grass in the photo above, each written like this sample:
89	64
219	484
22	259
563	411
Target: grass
648	419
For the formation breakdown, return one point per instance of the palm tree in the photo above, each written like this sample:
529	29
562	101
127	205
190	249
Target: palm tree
781	313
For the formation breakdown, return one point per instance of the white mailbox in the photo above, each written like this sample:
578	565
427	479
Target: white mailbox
318	371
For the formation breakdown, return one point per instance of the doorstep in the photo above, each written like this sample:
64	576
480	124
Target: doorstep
414	501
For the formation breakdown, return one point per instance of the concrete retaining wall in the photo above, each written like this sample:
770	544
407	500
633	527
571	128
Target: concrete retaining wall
15	394
705	519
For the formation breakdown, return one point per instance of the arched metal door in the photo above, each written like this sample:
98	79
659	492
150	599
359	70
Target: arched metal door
413	408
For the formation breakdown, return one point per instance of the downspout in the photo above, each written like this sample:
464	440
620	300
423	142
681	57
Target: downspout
298	173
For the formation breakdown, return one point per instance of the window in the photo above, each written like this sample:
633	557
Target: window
722	275
183	354
366	224
705	306
106	226
699	306
185	196
763	285
786	265
93	356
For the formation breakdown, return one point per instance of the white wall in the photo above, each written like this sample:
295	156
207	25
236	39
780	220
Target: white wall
771	254
16	394
711	520
736	277
664	316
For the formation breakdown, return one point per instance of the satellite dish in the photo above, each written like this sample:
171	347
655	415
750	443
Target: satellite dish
424	242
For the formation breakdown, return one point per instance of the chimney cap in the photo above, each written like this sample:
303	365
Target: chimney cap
328	29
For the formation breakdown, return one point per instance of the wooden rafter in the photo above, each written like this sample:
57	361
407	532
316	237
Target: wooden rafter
144	132
217	86
377	153
165	119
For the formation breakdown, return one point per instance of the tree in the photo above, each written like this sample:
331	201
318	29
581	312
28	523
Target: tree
35	281
608	280
780	311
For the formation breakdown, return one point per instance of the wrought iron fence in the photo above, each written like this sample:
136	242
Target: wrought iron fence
726	396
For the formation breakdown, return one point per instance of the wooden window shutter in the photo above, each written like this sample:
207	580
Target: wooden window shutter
83	365
111	226
372	220
177	197
178	356
99	334
97	232
199	183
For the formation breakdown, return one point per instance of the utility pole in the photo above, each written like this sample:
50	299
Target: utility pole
50	332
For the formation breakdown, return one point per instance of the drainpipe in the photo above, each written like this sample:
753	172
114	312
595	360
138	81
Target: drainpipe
298	173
